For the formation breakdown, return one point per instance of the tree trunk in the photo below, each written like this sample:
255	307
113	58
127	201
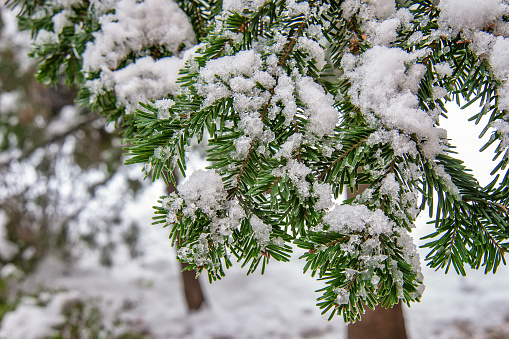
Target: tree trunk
380	323
192	288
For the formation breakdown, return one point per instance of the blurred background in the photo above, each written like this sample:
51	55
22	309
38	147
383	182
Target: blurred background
79	257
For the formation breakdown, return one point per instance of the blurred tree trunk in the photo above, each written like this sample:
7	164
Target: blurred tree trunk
192	288
380	323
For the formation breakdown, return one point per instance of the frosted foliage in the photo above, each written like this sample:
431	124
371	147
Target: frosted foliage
320	109
297	8
100	7
499	58
315	51
163	105
289	146
284	93
384	87
502	128
496	49
297	173
134	27
241	72
412	257
354	219
242	146
261	230
172	204
440	171
224	227
378	18
390	187
444	69
60	20
468	16
503	97
203	190
324	194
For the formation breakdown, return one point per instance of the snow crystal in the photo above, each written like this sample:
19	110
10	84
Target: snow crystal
499	58
384	87
297	8
440	171
172	204
240	72
383	8
444	69
252	124
283	93
439	92
205	190
324	194
390	187
261	230
240	5
45	37
503	97
468	16
316	52
385	32
242	146
163	105
323	116
502	128
60	20
482	43
290	145
297	173
162	153
343	296
349	219
350	7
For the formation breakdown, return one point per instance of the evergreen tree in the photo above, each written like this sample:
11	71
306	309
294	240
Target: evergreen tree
299	102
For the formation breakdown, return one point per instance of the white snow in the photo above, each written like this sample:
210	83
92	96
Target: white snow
261	230
468	16
203	190
240	5
31	321
134	27
130	32
384	87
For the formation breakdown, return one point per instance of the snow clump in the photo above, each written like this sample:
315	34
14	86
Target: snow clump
203	190
122	52
384	86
